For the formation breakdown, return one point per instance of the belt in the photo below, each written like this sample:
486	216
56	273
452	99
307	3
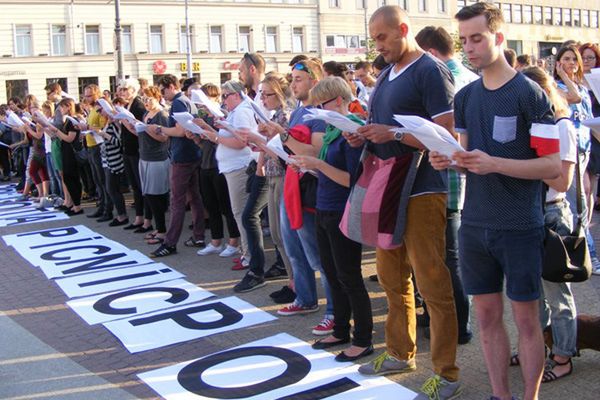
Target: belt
556	201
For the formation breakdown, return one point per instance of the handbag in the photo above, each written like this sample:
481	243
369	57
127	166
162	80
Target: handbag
375	213
567	258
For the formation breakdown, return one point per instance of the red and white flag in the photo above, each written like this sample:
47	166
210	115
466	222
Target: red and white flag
545	139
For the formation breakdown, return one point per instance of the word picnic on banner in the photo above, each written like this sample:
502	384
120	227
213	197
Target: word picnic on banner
180	324
278	367
13	213
132	302
68	251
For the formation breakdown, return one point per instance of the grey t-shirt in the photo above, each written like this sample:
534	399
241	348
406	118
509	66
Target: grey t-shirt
150	148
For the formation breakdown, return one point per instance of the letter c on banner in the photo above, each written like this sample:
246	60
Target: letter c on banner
190	377
182	317
49	256
104	304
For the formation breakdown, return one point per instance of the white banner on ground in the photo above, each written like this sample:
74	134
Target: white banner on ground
50	237
278	367
116	279
181	324
31	215
132	302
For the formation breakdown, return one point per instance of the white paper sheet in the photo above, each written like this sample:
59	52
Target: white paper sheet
106	106
132	302
41	118
433	136
75	121
31	217
258	111
152	331
199	97
271	359
333	118
99	139
140	127
4	144
185	119
67	95
48	236
13	120
123	113
276	146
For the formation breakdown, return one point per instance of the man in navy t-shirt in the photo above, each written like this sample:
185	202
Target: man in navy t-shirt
506	125
414	84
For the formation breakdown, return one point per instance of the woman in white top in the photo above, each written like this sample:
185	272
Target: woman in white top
233	155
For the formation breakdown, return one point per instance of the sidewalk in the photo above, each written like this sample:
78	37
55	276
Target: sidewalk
48	352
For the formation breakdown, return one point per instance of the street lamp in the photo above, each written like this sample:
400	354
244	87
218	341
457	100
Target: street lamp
188	42
118	47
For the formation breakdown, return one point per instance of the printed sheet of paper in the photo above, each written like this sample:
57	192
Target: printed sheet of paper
123	113
199	97
185	119
106	106
433	136
258	111
333	118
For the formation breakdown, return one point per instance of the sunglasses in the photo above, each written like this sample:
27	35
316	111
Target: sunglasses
252	59
300	66
226	95
323	104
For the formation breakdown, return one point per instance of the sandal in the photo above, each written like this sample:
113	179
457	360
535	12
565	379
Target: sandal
550	376
155	240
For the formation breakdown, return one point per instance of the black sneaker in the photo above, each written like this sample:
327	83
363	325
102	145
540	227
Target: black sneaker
249	283
283	296
275	272
163	251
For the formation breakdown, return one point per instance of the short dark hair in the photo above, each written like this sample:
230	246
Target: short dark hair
511	57
436	38
254	59
524	59
297	59
363	64
53	87
492	14
168	80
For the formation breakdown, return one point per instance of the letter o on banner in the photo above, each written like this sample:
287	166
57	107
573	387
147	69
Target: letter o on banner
190	377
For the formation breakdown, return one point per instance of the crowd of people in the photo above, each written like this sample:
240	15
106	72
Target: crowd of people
472	223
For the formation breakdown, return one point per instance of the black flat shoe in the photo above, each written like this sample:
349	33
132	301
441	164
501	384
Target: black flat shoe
133	226
97	214
105	218
342	357
141	229
70	213
116	222
321	345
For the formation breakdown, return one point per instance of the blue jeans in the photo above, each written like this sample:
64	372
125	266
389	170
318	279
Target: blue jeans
558	306
257	201
55	181
303	252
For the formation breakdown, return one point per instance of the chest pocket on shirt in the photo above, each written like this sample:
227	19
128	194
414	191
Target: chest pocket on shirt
505	129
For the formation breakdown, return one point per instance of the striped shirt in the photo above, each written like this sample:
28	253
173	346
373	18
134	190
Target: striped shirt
111	151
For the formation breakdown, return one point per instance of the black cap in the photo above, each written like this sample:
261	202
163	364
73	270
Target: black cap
187	83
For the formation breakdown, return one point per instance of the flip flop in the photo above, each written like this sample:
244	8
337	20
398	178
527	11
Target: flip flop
155	240
151	235
550	376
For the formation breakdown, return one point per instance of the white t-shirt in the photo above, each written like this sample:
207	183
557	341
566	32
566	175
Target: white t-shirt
47	142
230	159
568	151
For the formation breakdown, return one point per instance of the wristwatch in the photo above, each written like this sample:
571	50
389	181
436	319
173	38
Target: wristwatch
398	136
285	135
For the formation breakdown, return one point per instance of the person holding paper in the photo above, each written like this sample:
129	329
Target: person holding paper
415	83
506	125
340	256
185	160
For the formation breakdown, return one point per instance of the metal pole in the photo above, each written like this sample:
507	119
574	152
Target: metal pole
188	42
118	48
365	4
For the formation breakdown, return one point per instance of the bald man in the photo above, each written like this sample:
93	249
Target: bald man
415	83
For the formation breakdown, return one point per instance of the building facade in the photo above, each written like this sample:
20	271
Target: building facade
72	41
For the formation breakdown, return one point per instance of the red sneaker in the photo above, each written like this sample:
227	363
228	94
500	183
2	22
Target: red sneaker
240	264
295	309
325	327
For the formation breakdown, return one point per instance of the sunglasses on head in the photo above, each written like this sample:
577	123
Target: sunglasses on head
249	57
300	66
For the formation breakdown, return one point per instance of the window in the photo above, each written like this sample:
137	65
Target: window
506	11
361	4
298	39
23	45
156	39
61	81
461	3
576	17
403	4
244	39
548	15
92	39
334	3
557	16
271	38
183	39
517	16
329	41
83	82
224	77
381	3
537	15
17	88
126	39
422	5
567	16
340	41
216	39
527	17
585	18
352	42
593	19
516	45
58	42
441	6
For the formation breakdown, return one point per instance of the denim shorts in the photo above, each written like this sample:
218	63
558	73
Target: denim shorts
487	256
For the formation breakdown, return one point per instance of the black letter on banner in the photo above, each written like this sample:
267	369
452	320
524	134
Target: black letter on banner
49	256
103	305
51	232
324	391
190	377
98	262
30	218
230	317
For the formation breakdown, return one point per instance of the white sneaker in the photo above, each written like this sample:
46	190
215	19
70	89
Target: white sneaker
210	249
595	266
230	251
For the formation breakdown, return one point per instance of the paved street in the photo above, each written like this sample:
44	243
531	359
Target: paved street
48	351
